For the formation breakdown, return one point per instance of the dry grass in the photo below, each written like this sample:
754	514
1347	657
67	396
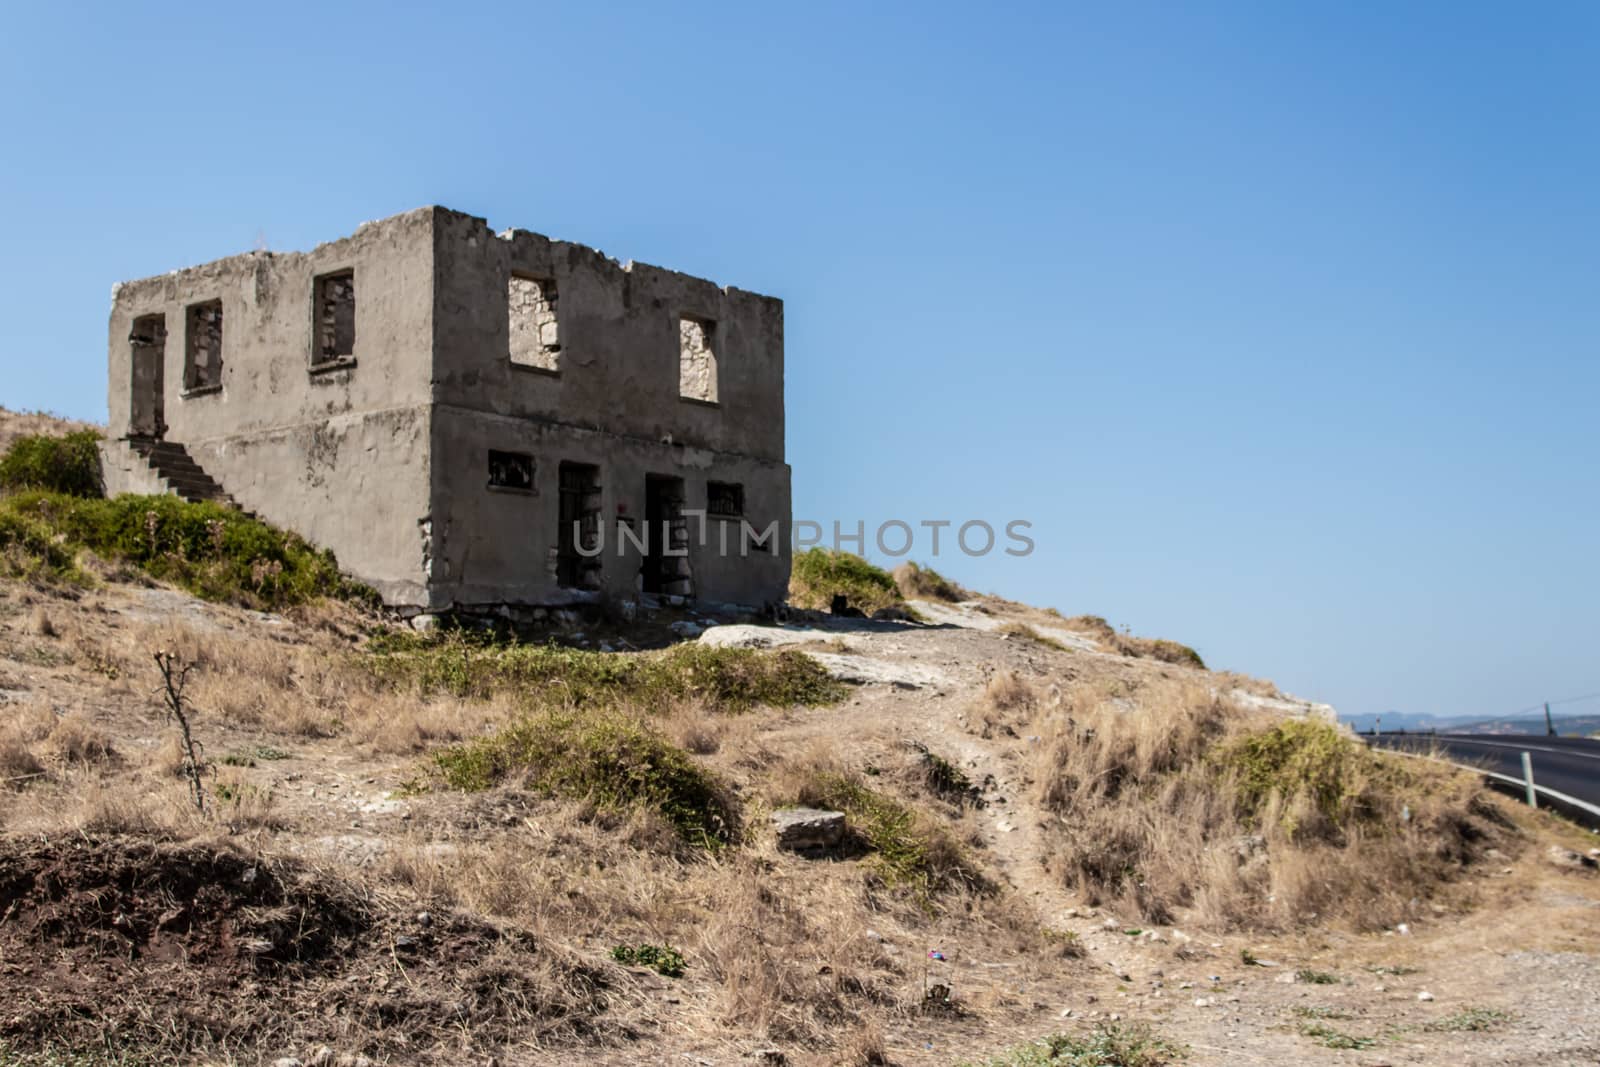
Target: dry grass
15	424
76	739
18	764
1252	822
1028	633
1007	703
917	582
1138	647
292	684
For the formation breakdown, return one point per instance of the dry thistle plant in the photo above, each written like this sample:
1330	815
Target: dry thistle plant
174	676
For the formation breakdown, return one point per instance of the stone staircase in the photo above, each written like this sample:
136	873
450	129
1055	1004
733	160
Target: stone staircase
171	462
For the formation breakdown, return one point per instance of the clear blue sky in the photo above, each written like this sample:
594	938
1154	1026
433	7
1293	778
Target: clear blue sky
1279	321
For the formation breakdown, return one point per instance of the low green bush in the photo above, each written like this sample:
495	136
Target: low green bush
726	679
216	553
1107	1045
907	849
605	756
819	574
663	959
67	463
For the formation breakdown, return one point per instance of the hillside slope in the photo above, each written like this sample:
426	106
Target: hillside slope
430	849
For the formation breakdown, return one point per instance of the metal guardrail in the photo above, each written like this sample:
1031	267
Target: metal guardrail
1580	810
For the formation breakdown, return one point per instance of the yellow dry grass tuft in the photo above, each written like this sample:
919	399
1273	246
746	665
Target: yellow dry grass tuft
1181	800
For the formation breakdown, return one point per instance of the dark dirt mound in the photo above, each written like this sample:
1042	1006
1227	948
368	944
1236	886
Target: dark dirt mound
183	950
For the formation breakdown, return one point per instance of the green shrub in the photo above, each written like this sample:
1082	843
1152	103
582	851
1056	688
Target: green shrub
726	679
30	549
908	850
604	756
1304	757
58	464
663	959
820	574
214	552
1107	1045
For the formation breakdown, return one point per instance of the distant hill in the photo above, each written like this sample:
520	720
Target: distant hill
1396	720
1566	725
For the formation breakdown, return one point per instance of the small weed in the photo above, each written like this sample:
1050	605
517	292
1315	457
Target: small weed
1319	1012
1248	958
1107	1045
1066	943
1328	1037
1315	977
247	757
1472	1020
1397	972
663	959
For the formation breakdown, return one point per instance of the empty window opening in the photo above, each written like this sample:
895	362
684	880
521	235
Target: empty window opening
336	317
202	367
666	560
511	470
535	335
724	499
579	515
148	348
697	360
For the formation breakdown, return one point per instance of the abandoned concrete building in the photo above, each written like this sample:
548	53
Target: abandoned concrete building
468	419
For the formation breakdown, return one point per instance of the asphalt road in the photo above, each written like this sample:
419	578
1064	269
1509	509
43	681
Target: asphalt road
1569	765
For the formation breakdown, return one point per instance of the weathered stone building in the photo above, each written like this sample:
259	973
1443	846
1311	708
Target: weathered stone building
467	419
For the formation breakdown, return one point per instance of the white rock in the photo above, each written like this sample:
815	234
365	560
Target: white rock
808	829
1424	995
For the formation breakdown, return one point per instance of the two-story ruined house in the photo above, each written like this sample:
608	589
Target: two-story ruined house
467	419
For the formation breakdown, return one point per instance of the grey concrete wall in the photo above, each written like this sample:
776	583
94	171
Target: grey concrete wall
496	546
338	454
613	402
619	343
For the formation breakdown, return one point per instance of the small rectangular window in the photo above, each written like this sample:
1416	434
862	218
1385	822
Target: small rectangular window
535	333
697	360
336	317
202	364
511	470
724	500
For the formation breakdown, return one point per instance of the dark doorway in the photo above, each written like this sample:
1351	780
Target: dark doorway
666	561
148	345
579	514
